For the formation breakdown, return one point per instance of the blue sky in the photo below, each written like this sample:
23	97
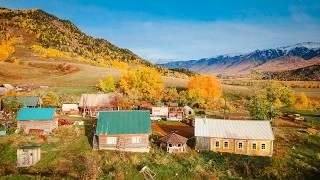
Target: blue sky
164	30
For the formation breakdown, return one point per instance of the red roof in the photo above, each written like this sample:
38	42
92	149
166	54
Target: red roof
174	138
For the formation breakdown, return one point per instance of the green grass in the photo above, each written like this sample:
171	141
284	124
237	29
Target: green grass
312	118
68	154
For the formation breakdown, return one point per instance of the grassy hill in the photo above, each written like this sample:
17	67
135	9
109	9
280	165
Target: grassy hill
302	74
38	27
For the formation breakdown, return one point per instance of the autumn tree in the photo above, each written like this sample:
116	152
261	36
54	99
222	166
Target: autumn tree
143	84
7	48
204	88
171	94
302	101
108	84
268	97
50	100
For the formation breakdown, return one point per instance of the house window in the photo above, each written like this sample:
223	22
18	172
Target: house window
217	145
111	140
263	146
170	145
136	139
254	146
226	144
240	145
179	145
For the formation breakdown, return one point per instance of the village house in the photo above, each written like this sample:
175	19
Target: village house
70	109
91	104
26	101
173	143
175	112
249	137
41	120
161	111
123	131
145	106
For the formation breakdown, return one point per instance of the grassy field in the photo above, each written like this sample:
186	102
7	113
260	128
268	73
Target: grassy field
67	153
245	90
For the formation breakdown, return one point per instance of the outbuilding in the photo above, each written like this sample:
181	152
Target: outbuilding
175	112
123	131
91	104
28	155
70	109
174	143
248	137
42	120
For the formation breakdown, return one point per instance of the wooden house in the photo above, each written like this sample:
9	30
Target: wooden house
146	106
174	143
70	109
40	120
123	131
175	112
161	111
28	155
26	101
91	104
248	137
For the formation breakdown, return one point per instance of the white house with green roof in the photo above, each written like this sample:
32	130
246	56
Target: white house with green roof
123	131
42	120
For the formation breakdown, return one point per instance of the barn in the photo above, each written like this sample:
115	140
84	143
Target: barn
91	104
41	120
123	131
248	137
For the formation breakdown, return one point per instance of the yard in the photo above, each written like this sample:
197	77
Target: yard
68	153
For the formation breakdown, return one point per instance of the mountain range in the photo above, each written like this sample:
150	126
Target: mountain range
268	60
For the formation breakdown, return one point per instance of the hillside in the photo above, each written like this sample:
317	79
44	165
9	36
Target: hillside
38	27
301	74
277	59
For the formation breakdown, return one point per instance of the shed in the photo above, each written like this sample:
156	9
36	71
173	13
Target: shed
123	131
70	109
28	155
173	143
160	111
37	119
249	137
90	104
26	101
188	111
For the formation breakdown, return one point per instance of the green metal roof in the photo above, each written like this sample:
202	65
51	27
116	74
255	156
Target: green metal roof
124	122
36	114
29	101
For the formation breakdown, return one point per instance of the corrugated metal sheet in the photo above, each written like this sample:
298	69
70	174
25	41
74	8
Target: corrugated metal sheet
95	100
123	122
235	129
30	101
36	114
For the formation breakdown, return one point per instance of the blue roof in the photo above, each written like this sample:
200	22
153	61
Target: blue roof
36	114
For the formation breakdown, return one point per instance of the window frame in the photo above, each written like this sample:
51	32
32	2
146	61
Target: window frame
239	145
136	139
224	142
215	144
254	143
265	146
112	140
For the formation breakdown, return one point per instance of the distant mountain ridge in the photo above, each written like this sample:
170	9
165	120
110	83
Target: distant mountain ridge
282	58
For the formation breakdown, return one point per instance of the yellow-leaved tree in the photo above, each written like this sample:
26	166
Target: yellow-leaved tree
204	88
302	101
108	84
143	83
7	48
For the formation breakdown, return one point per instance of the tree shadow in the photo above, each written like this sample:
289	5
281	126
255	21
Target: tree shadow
89	133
